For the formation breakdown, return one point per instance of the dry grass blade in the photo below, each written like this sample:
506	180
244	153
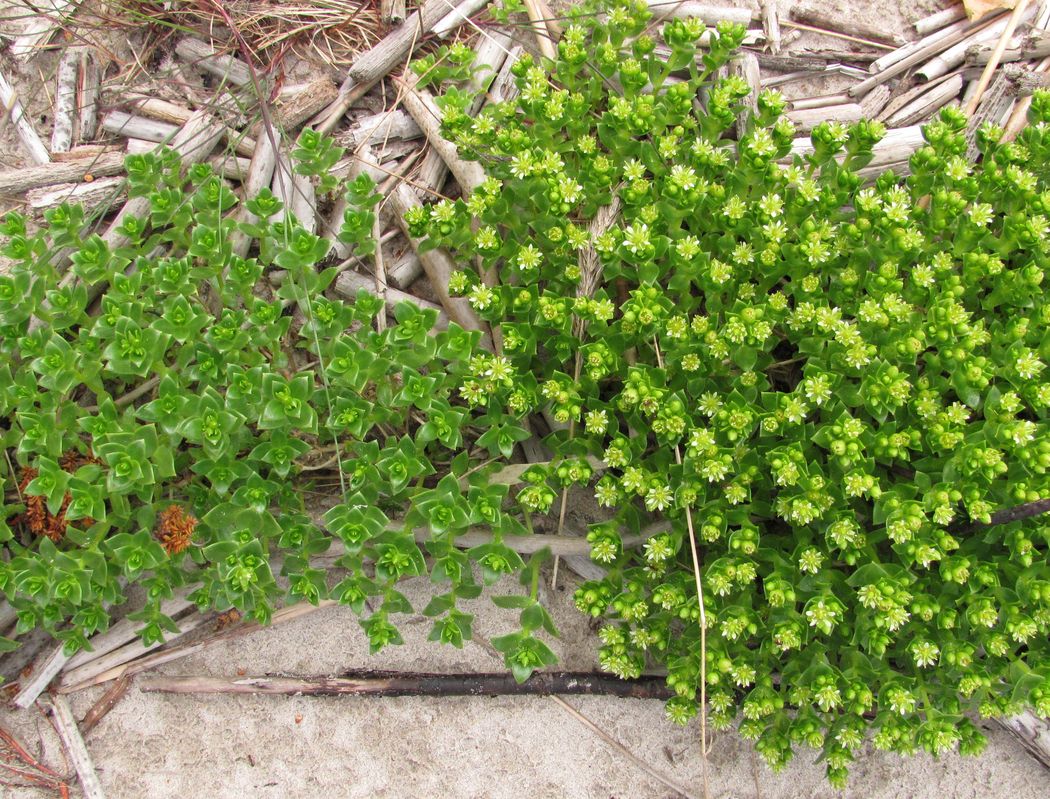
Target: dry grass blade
335	31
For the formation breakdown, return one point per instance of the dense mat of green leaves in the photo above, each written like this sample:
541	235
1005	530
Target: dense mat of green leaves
854	377
237	397
840	383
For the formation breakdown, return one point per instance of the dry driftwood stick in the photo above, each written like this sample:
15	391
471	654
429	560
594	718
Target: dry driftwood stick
997	53
807	119
65	106
995	105
165	111
18	181
903	98
745	65
927	103
260	173
819	18
805	103
711	15
82	152
931	44
922	54
88	84
380	272
348	284
457	16
76	750
392	10
874	101
124	631
114	660
230	167
105	703
290	112
38	28
404	270
503	89
30	139
954	56
539	29
371	67
95	196
394	124
940	19
41	676
179	651
771	24
1018	117
122	123
206	58
437	265
1033	733
1036	45
421	107
388	683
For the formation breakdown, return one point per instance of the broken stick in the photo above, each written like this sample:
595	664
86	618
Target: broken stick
386	684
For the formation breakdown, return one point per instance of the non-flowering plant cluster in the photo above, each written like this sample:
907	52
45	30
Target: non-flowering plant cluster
837	383
154	438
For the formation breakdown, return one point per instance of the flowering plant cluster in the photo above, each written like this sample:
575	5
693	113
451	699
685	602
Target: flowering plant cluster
837	387
154	437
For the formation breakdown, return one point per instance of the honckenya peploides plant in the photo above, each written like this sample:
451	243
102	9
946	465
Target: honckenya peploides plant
824	403
833	387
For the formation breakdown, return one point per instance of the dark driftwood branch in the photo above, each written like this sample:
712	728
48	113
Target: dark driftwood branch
392	683
106	703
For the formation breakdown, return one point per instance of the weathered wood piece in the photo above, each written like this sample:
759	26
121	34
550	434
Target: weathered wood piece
88	84
1032	732
1035	45
64	111
113	661
954	55
44	671
371	67
807	119
47	18
940	19
206	58
179	651
94	196
997	53
420	105
927	103
121	123
15	182
710	14
821	18
348	284
30	139
771	24
388	684
930	44
939	43
124	631
436	263
457	16
76	750
105	703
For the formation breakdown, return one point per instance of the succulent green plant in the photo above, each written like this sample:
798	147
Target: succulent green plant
838	385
